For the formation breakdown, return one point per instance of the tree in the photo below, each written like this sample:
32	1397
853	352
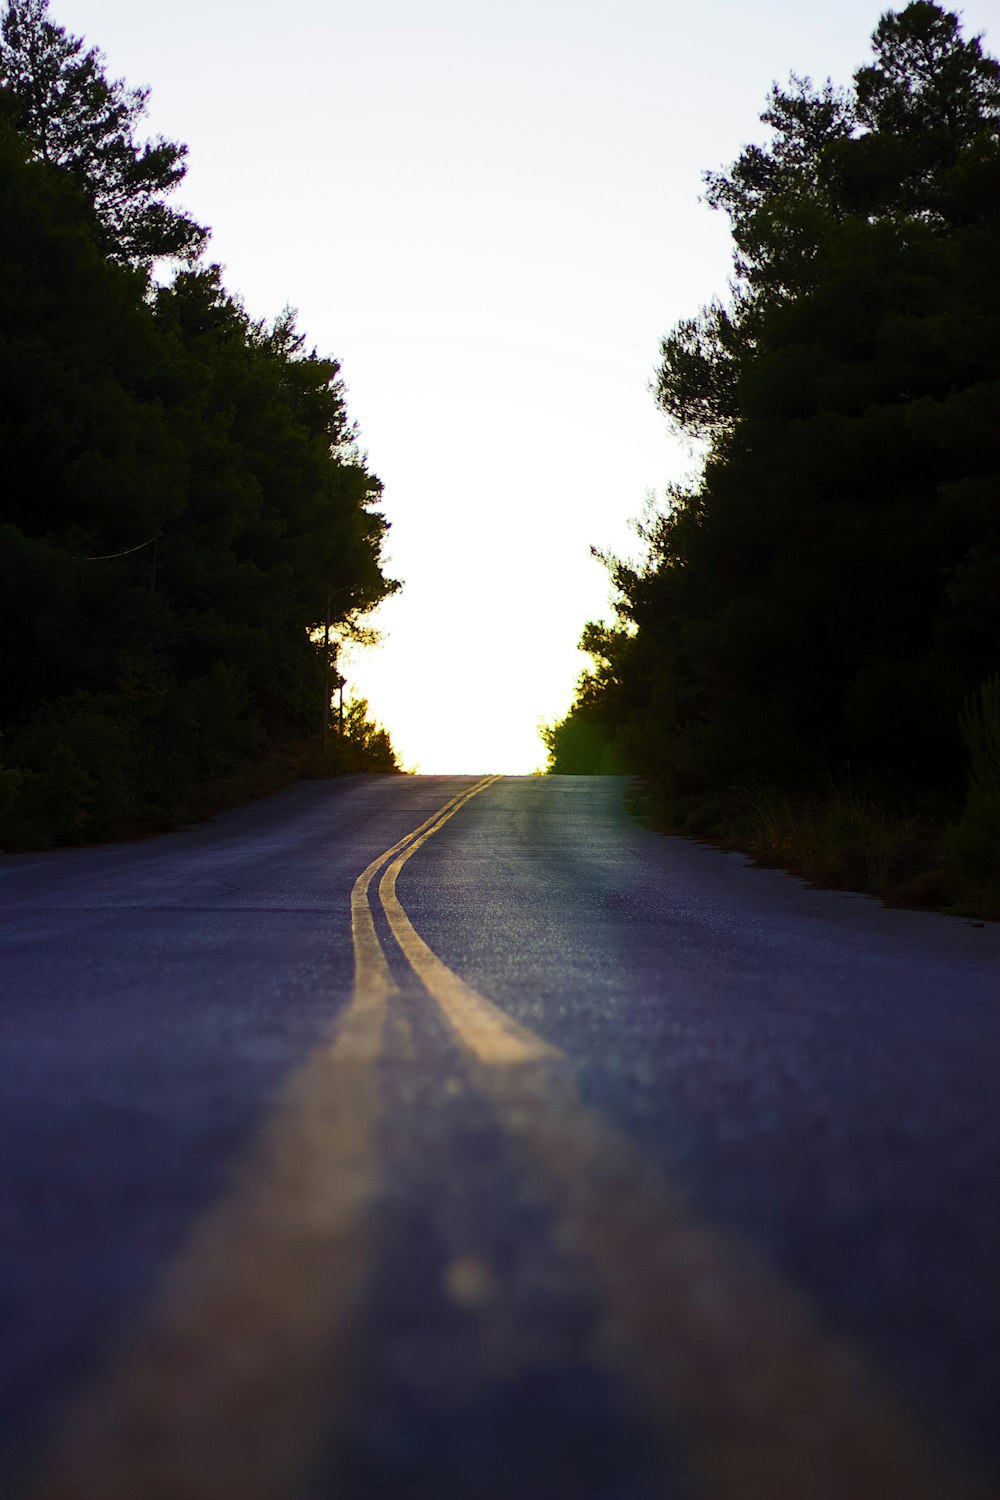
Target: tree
696	386
776	197
183	493
929	102
85	123
826	591
925	77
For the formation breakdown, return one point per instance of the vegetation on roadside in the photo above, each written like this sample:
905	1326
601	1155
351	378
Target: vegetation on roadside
851	837
186	509
41	810
805	657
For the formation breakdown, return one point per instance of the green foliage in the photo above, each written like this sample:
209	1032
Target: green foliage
11	787
588	741
369	742
58	797
842	834
578	747
925	80
697	380
856	842
79	120
183	501
976	837
828	590
217	717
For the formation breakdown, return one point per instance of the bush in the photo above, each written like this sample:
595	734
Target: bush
975	839
59	799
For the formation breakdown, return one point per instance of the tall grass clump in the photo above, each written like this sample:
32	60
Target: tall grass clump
840	837
975	839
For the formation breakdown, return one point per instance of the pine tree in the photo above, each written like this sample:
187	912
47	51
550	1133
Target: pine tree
827	588
85	123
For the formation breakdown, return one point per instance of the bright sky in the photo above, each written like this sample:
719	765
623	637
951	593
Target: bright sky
488	212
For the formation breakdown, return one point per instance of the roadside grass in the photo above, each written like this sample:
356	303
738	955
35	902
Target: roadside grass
842	837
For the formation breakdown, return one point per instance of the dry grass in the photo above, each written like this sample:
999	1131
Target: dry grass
839	838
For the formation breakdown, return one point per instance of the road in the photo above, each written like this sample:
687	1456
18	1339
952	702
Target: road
460	1138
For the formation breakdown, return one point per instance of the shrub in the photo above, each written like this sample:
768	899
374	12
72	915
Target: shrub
975	839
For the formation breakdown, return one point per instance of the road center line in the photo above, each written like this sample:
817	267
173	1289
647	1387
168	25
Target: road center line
490	1034
733	1367
230	1383
372	978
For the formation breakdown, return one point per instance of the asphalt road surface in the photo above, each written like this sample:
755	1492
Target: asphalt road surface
408	1137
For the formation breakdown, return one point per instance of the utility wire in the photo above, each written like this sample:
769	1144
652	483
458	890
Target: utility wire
107	556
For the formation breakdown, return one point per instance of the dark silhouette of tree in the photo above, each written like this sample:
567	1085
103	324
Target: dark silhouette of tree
80	120
926	78
828	590
184	500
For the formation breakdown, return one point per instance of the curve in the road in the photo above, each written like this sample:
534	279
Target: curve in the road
731	1366
222	1391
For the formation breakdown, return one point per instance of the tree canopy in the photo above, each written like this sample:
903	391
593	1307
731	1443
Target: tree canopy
184	502
828	591
76	118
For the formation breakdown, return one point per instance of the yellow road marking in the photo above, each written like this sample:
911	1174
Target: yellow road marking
230	1383
733	1367
490	1034
372	977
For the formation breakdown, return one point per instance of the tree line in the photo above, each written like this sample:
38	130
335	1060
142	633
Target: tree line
185	503
824	598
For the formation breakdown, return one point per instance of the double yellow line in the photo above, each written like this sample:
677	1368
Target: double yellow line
373	982
229	1387
733	1368
489	1034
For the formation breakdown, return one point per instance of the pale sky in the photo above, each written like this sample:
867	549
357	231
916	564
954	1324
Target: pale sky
489	213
